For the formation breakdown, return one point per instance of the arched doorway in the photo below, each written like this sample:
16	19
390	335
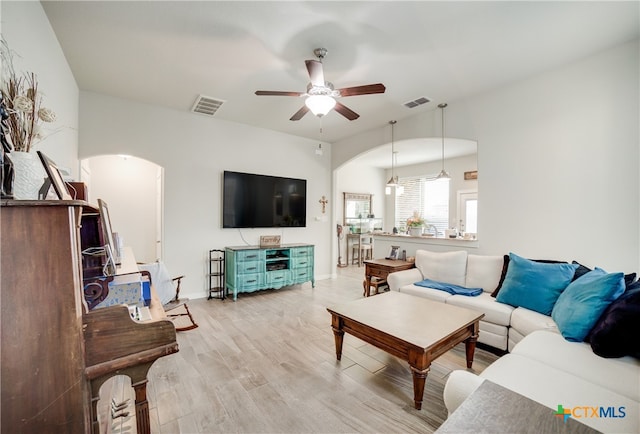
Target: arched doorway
133	189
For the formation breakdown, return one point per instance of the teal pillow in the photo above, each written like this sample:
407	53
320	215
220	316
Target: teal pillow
585	299
534	285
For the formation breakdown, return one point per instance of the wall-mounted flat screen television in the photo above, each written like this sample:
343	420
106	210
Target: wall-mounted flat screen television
261	201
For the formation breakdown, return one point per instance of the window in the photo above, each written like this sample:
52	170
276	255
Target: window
429	197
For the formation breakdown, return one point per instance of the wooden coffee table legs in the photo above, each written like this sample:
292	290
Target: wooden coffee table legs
419	358
338	333
470	346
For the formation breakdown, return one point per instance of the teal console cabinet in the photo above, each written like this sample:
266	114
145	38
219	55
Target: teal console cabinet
253	268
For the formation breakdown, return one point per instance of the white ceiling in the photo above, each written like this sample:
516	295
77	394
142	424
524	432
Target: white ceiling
168	52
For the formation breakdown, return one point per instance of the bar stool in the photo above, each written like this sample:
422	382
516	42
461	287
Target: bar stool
365	248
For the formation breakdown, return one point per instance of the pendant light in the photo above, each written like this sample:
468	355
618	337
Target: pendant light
443	173
393	181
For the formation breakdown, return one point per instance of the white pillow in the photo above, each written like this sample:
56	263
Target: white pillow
447	267
484	272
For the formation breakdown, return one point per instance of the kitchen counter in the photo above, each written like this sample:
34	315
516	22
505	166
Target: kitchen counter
384	241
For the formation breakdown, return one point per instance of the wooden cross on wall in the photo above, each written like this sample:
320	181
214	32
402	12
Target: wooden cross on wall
324	202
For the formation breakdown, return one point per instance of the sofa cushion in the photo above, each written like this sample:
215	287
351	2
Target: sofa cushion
551	386
616	331
534	285
449	267
420	291
484	272
621	375
494	312
584	300
527	321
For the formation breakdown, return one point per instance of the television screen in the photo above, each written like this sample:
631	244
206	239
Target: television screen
262	201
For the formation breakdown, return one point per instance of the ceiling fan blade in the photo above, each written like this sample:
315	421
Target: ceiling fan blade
316	74
298	115
367	89
346	112
277	93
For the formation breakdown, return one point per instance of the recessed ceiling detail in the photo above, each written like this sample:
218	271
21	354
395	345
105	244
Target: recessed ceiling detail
206	105
417	102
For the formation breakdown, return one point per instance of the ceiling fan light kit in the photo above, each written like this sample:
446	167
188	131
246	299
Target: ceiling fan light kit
321	95
320	105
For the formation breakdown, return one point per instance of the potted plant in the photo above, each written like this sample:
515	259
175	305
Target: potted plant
415	224
22	126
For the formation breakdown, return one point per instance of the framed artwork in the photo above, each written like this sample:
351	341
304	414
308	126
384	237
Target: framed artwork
393	253
111	249
55	177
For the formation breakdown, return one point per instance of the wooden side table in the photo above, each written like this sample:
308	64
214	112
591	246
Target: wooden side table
380	268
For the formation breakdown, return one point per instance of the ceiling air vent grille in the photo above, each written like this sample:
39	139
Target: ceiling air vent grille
206	105
417	102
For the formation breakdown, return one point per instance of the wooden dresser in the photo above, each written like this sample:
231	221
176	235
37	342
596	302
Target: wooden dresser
56	353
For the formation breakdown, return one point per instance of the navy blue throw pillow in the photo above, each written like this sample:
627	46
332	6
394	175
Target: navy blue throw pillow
616	331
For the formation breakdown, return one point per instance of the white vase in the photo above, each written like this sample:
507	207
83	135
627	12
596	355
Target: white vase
415	231
29	175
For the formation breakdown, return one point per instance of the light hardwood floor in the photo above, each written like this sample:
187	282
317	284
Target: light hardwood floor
266	364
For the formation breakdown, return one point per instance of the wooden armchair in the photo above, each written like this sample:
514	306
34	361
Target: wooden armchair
168	290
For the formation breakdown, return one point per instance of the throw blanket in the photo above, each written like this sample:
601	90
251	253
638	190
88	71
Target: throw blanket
450	288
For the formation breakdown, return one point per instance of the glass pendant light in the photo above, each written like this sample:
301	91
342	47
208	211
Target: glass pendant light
443	173
393	181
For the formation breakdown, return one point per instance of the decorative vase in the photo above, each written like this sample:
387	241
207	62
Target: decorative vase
29	175
415	231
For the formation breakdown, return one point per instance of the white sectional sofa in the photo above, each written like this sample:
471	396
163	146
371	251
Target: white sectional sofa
542	364
503	325
603	393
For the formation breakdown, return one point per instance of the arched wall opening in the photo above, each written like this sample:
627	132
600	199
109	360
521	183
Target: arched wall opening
133	189
368	172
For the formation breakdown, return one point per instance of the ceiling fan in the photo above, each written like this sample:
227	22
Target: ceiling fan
321	96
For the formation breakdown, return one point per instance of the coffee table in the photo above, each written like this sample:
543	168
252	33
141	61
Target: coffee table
412	328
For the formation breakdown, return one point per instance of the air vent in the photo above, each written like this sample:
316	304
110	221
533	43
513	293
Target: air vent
206	105
417	102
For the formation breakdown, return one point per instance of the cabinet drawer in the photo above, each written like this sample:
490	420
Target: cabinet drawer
249	281
302	275
378	272
250	255
302	252
301	262
278	278
250	267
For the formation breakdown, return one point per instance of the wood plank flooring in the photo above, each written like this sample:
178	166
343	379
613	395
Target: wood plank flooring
266	364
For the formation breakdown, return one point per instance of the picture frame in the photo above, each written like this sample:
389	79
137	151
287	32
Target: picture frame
111	249
393	253
55	177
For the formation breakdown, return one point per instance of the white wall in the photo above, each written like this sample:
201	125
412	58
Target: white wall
558	160
194	151
27	31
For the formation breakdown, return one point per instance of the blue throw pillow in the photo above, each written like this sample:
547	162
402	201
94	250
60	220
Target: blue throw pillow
534	285
585	299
